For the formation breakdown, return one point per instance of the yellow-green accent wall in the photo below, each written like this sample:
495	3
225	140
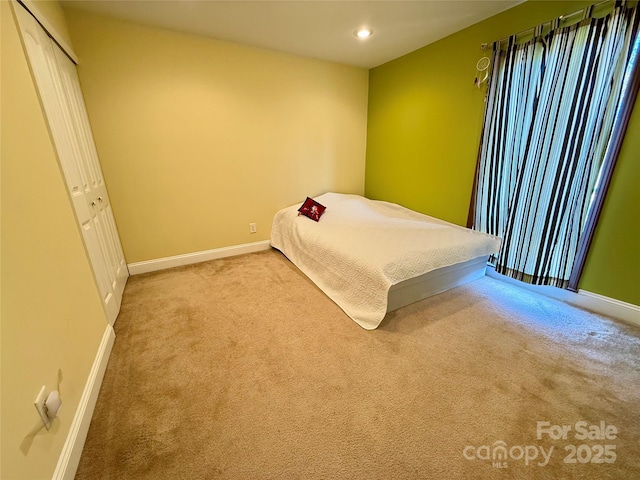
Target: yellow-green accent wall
424	124
52	320
199	137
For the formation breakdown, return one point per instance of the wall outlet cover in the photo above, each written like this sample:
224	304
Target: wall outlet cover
39	403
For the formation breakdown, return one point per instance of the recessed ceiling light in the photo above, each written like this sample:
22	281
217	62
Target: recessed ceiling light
363	32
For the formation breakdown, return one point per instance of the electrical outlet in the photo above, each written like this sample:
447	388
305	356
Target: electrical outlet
39	403
252	228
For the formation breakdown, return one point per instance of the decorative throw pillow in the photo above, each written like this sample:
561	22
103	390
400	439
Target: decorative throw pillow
312	209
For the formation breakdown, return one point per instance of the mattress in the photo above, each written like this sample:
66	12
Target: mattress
360	248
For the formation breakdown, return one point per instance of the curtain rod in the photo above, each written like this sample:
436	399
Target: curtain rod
583	11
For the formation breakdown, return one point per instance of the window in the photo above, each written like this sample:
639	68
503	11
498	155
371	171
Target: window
552	119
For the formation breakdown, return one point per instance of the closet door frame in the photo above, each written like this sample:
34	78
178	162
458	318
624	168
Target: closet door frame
57	83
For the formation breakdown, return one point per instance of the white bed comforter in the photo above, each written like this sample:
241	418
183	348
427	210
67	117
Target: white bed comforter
361	247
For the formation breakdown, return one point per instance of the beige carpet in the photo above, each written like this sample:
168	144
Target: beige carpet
241	368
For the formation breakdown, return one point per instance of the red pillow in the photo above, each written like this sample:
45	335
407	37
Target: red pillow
312	209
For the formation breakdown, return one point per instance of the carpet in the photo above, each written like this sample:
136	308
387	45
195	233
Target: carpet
241	368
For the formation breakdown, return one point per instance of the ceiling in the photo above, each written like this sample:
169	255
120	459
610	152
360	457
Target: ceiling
322	29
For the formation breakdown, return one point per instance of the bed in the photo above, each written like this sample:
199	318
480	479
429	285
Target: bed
372	257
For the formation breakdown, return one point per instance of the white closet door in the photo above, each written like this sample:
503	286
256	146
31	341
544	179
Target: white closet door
59	87
96	190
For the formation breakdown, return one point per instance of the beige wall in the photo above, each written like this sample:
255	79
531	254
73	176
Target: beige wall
199	137
51	318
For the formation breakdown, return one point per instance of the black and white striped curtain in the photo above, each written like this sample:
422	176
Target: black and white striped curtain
550	110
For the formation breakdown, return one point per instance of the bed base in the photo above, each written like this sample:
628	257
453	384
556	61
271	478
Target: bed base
434	282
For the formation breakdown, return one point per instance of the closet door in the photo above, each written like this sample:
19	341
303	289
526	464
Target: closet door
57	81
96	196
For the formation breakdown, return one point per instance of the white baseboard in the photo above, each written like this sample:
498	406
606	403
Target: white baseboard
609	306
196	257
72	449
593	302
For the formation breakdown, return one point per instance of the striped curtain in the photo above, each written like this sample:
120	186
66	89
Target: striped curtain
550	110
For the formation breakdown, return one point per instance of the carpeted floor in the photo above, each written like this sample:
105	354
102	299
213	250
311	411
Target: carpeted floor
240	368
